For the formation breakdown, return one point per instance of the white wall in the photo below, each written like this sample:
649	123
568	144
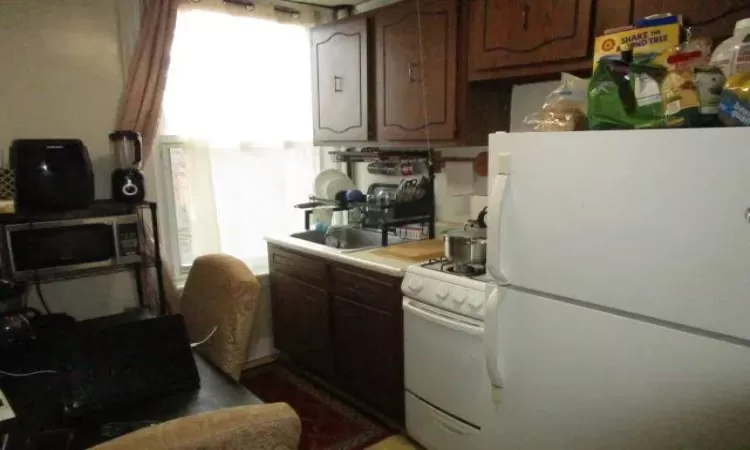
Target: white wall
61	76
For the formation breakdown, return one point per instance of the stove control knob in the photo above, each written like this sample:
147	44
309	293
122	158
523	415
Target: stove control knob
476	301
415	285
442	292
458	295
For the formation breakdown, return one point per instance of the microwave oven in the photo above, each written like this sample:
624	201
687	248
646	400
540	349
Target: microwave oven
51	248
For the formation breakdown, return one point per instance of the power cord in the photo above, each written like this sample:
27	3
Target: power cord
19	375
196	344
38	286
37	283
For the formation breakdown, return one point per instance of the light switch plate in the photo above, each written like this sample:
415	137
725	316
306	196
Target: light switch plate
6	412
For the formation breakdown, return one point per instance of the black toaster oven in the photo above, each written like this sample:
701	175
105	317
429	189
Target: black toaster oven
52	174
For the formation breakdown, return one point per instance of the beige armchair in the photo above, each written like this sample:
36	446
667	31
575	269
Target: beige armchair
222	292
258	427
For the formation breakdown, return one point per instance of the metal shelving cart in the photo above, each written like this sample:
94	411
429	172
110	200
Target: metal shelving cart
150	258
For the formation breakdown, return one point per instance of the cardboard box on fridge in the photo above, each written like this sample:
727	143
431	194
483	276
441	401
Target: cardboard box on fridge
647	42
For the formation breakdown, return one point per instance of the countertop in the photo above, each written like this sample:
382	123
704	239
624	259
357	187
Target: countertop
364	259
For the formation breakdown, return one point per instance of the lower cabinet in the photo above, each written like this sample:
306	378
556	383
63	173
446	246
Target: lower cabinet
301	323
367	347
345	326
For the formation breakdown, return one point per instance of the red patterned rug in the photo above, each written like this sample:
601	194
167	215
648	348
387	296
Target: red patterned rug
327	422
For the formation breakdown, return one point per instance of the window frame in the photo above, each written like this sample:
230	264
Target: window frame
166	198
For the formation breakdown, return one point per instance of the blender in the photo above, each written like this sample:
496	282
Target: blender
127	178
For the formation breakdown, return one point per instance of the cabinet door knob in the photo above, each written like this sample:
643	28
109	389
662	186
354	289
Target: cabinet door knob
337	83
525	16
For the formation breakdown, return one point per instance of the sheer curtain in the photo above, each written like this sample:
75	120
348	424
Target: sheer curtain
238	116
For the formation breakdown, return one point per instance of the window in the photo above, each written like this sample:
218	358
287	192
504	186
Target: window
236	135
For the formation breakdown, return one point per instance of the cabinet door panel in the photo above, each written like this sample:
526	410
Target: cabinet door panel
416	54
310	270
507	33
715	18
301	323
369	347
339	58
374	290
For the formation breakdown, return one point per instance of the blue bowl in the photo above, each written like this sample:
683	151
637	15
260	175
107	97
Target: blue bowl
355	195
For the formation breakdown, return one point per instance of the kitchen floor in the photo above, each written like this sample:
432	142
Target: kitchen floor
328	421
395	443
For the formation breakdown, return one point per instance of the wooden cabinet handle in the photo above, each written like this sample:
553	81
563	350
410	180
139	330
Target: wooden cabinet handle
412	68
337	83
525	16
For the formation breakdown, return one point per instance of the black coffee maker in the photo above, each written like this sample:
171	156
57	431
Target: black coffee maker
127	178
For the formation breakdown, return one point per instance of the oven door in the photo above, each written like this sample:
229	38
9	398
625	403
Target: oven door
444	362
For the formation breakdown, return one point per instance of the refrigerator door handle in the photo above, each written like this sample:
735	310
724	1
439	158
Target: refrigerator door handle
490	341
494	214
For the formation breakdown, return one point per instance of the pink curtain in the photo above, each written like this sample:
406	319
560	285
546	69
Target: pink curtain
140	106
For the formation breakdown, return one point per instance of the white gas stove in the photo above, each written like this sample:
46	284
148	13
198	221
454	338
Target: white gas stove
444	367
441	284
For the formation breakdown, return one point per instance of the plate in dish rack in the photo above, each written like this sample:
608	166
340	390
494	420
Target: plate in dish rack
331	181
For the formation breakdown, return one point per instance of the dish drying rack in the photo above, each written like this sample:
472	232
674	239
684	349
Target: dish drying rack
385	217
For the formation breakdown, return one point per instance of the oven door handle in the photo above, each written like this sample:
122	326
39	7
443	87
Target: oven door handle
451	425
411	307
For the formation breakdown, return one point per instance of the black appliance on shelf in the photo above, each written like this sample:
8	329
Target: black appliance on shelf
52	174
127	178
106	237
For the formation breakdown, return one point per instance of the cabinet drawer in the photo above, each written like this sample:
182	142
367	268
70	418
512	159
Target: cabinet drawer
310	270
375	290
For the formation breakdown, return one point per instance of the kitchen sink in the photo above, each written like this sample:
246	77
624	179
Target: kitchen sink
346	239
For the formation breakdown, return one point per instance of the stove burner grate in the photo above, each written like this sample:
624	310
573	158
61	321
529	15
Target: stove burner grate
445	265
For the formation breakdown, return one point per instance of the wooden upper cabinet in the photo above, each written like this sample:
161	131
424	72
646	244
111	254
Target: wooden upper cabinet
714	18
416	78
510	33
339	78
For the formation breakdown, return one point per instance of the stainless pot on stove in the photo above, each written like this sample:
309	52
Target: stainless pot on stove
467	246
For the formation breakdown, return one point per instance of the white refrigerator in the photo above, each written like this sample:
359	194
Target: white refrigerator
620	313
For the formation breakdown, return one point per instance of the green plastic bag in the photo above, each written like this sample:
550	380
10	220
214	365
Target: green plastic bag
625	95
